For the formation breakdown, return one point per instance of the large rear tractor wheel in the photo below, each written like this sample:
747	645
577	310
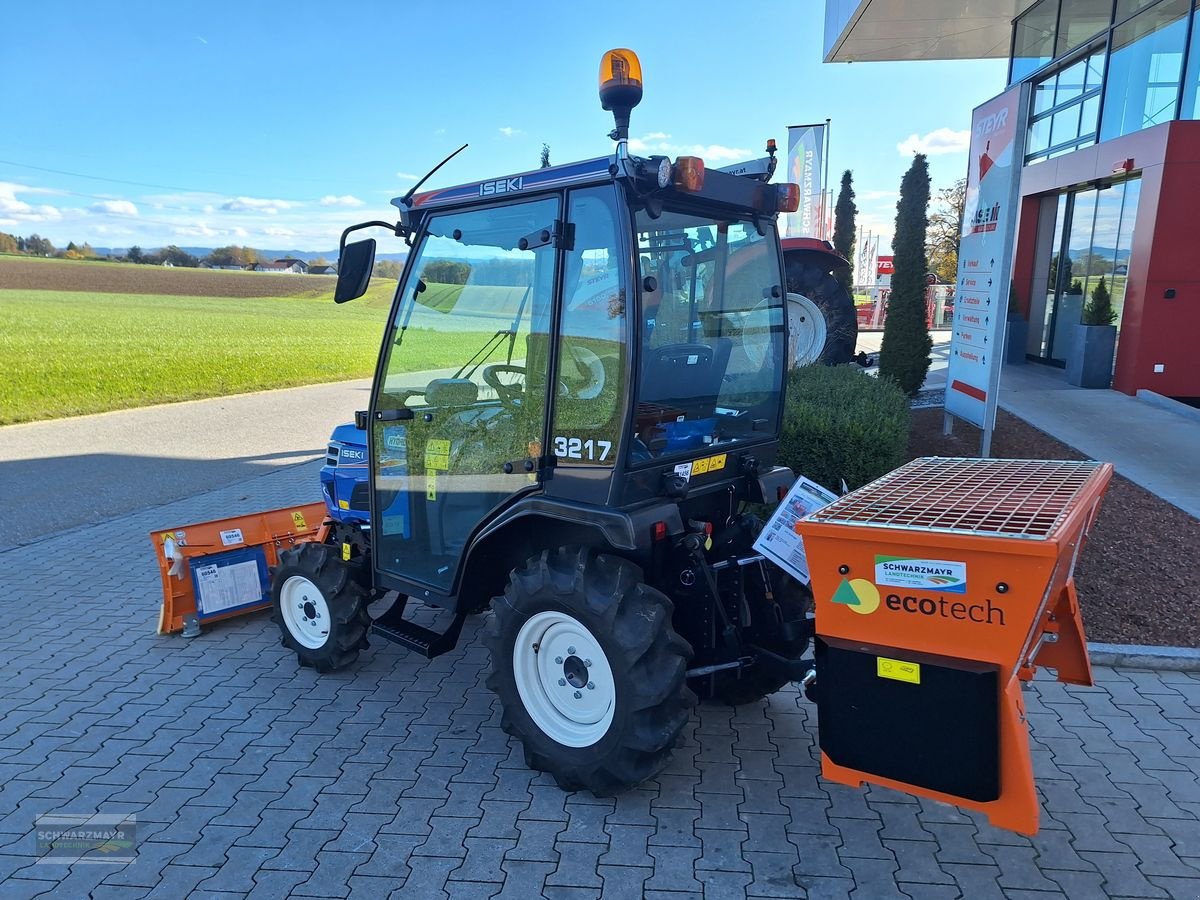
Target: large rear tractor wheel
320	607
589	670
830	339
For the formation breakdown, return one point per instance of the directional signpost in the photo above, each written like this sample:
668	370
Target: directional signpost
985	261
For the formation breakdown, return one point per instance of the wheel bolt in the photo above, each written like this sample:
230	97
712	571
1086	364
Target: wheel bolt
562	682
578	695
571	650
558	660
588	663
591	685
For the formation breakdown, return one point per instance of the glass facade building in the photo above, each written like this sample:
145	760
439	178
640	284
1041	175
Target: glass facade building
1100	69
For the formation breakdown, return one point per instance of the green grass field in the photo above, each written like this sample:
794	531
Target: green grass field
66	353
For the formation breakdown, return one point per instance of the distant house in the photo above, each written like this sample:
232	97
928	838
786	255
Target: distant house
322	270
302	266
282	267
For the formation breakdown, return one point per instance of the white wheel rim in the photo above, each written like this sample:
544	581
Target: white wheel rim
564	679
807	330
304	611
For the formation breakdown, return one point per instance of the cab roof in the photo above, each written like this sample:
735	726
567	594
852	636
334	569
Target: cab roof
590	170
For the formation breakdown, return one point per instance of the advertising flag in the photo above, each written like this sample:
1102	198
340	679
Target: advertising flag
806	149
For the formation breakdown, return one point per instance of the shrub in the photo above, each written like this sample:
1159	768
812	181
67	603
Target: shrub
840	423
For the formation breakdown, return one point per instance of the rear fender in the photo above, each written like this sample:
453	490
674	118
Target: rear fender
540	523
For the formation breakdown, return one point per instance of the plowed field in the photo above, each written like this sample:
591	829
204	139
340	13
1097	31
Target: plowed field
17	273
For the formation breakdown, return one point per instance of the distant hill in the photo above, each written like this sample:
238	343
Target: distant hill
306	255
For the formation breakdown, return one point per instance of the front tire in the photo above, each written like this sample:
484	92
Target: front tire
320	607
590	672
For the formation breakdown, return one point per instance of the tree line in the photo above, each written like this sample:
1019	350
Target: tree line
36	245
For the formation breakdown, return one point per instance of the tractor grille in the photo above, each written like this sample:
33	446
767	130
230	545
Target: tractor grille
1020	498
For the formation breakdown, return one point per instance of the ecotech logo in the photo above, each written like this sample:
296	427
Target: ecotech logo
921	577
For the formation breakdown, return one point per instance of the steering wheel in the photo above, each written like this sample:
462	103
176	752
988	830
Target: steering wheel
508	393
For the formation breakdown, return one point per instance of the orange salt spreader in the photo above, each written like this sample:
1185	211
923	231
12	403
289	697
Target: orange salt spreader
939	588
219	569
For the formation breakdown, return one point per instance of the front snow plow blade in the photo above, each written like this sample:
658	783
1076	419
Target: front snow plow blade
938	589
219	569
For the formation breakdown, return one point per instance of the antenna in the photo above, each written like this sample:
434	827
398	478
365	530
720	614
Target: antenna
407	198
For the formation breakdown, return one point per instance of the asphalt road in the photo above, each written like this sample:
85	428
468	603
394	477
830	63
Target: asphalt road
66	473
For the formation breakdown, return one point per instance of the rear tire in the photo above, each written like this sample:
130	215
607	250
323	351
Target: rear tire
834	302
320	607
590	672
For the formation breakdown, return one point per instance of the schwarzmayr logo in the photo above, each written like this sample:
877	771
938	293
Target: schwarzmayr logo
942	575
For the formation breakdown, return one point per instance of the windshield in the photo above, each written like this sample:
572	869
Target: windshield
712	333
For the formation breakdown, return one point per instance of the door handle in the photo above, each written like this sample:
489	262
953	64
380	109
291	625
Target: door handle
393	415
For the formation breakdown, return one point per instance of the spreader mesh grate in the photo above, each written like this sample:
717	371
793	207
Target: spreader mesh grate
1023	498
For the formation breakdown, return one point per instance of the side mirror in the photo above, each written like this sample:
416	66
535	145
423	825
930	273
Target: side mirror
354	270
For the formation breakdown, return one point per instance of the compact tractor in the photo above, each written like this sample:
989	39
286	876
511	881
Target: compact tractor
574	420
590	468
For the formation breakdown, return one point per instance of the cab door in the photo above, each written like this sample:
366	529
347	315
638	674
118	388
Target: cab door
459	402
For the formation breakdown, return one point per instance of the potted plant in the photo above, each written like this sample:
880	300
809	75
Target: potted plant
1094	341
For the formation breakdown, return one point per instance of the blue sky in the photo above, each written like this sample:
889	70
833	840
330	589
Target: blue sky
277	124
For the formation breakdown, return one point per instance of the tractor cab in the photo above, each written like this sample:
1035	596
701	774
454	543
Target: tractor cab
602	334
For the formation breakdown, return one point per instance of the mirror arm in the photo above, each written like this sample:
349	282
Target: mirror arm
397	229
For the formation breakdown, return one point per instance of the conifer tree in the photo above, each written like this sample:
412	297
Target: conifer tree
904	355
843	228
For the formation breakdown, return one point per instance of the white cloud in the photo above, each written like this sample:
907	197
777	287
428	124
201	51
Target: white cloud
240	232
344	200
509	131
256	204
405	176
198	230
114	207
17	211
660	142
936	142
273	231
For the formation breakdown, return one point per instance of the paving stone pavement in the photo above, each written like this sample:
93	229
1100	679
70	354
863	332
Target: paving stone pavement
251	777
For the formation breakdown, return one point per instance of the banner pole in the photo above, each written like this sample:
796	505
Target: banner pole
825	177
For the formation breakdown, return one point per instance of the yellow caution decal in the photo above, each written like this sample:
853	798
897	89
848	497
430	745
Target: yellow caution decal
898	670
298	521
431	485
346	552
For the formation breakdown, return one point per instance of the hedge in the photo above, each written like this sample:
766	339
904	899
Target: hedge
841	423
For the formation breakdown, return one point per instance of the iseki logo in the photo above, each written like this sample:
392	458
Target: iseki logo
503	186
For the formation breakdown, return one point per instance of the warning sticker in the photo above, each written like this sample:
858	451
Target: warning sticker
898	670
431	485
298	521
437	455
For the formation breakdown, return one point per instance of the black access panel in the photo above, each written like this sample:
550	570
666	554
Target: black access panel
941	732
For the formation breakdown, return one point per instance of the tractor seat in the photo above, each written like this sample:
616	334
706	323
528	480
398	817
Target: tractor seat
688	376
451	392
